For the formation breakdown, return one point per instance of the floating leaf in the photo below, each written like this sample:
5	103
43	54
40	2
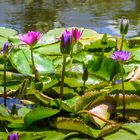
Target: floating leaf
135	127
6	32
109	129
96	46
52	102
131	87
103	67
71	102
103	107
134	74
120	135
3	135
68	92
2	41
18	123
38	114
131	101
85	100
52	49
73	124
23	56
23	111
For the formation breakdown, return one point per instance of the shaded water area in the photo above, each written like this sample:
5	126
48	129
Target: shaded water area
43	15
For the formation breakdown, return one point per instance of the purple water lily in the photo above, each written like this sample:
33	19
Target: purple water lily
13	136
121	55
66	42
6	50
31	38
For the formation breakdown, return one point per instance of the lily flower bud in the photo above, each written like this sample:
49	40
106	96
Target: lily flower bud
6	50
66	42
124	25
85	74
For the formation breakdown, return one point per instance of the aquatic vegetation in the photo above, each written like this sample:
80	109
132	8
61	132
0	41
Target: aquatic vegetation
124	26
122	56
31	39
88	102
6	50
65	47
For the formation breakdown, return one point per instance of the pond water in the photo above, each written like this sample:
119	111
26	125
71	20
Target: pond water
43	15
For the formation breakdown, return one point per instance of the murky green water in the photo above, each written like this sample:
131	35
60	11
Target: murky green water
42	15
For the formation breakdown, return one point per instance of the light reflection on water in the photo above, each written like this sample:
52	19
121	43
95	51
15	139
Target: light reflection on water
11	101
100	15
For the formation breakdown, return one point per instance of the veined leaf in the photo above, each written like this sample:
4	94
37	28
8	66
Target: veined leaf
121	135
131	87
74	125
103	67
58	135
135	127
52	102
131	101
23	56
96	46
102	107
6	32
38	114
87	99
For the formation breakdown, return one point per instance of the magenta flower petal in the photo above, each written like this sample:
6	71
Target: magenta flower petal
121	55
31	38
76	34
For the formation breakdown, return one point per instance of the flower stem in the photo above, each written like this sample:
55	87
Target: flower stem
84	86
123	92
4	80
71	59
62	77
34	68
122	40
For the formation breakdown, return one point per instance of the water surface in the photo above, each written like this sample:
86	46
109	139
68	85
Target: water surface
43	15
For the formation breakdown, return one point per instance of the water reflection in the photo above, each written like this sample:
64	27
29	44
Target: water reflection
100	15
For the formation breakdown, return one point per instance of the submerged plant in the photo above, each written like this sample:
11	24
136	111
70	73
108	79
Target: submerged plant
122	57
124	25
13	136
65	47
31	39
7	49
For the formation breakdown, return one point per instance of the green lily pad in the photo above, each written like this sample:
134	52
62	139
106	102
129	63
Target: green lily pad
38	114
73	124
21	60
6	32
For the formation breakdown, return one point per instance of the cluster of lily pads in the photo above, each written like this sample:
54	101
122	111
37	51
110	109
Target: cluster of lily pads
71	83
